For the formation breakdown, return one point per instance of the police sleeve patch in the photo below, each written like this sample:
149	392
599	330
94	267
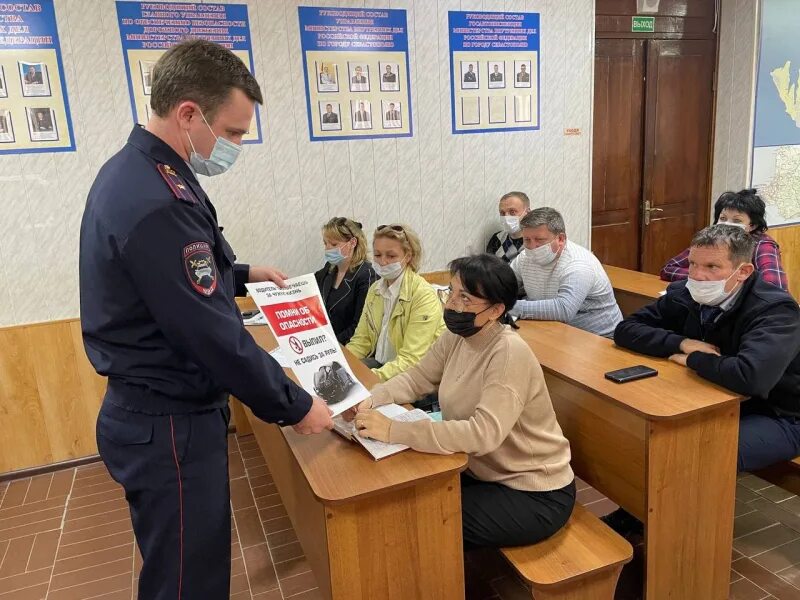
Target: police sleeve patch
198	262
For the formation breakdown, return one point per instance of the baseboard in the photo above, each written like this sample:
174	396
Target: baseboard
50	468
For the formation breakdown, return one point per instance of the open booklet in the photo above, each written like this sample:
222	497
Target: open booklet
377	449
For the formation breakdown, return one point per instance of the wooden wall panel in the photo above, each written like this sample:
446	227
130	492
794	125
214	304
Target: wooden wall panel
788	239
24	440
49	395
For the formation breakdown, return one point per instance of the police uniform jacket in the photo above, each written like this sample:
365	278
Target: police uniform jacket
157	286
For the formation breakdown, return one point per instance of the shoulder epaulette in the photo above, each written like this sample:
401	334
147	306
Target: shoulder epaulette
179	189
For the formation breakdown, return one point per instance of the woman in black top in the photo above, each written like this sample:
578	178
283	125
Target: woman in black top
346	276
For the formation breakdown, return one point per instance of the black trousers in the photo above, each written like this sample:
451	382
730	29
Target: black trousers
766	438
174	469
371	362
494	515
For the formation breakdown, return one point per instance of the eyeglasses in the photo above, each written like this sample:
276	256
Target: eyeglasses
397	228
342	222
460	302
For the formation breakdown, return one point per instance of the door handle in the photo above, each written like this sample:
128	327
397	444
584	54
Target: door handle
649	209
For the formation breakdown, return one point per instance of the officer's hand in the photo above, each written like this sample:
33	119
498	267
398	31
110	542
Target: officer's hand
317	419
276	276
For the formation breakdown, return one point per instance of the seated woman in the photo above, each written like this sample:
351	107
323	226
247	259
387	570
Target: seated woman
402	316
743	209
519	488
345	279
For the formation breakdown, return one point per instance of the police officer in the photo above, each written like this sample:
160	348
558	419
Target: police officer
157	282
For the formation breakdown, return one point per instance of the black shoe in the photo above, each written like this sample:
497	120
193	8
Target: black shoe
623	523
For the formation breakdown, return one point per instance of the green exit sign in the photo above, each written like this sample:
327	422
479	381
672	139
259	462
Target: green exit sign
643	24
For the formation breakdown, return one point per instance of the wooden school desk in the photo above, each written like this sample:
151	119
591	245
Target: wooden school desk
663	448
633	289
388	529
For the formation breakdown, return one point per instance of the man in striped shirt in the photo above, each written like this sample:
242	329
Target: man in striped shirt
562	280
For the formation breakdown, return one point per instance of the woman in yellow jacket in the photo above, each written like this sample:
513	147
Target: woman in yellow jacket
402	314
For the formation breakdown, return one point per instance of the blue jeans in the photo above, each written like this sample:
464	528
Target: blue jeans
767	439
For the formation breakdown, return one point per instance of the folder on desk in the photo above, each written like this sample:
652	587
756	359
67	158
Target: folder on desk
376	449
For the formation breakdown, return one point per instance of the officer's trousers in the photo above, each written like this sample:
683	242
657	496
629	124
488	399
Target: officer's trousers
174	469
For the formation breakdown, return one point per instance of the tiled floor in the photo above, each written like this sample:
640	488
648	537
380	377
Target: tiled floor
67	536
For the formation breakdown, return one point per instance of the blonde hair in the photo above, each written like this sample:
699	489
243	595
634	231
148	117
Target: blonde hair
406	238
342	229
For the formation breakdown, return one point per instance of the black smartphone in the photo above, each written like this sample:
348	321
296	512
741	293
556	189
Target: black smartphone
631	374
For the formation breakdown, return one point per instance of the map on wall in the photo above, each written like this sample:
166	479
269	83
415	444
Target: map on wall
776	138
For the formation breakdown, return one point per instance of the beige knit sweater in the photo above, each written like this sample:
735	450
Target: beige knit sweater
495	407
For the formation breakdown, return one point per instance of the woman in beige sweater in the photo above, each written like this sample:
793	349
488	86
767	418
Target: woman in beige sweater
519	488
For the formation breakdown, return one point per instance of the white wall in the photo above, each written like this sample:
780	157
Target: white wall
276	198
736	80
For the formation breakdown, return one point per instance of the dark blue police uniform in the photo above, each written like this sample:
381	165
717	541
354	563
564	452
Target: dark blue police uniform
157	283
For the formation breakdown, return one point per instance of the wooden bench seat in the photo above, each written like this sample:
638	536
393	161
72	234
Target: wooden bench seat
785	475
581	562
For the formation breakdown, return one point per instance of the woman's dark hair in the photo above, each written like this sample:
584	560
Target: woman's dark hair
746	201
488	277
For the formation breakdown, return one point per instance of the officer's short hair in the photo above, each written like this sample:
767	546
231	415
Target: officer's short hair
739	243
544	216
200	71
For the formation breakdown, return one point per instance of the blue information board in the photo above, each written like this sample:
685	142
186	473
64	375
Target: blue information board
356	70
148	29
494	66
34	107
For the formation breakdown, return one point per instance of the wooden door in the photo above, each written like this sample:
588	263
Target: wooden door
617	150
678	125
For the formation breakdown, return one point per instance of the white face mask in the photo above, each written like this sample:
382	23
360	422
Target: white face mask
511	225
390	271
710	293
543	255
223	155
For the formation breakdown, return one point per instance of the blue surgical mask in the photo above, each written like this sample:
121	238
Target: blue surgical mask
335	256
223	155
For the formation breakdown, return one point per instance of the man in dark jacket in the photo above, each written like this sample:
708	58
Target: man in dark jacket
735	330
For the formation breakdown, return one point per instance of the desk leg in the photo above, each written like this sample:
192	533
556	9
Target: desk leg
691	483
397	546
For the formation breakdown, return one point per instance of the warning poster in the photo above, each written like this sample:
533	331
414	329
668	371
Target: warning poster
298	320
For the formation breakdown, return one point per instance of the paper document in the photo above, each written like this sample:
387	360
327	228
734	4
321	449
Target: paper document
297	318
279	356
377	449
256	319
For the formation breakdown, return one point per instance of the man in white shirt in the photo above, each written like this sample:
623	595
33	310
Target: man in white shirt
563	281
